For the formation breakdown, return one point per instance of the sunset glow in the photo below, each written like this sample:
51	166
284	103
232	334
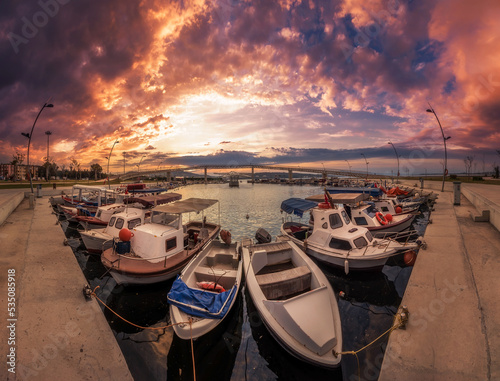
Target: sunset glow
239	82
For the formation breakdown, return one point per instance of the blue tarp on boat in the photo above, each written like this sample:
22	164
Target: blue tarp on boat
200	303
297	206
374	192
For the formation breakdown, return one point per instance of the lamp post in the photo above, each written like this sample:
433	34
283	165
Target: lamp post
48	133
109	158
366	161
397	156
139	165
445	169
350	174
30	135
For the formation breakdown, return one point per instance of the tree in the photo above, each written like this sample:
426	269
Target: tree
97	169
76	166
468	164
17	160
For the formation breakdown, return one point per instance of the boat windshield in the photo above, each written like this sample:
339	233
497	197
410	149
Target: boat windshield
371	210
346	217
165	219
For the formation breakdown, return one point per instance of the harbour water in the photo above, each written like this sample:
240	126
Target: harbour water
242	349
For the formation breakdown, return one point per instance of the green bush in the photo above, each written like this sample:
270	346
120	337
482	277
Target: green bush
477	178
453	177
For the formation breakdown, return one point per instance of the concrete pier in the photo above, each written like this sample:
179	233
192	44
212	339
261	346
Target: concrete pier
56	334
452	296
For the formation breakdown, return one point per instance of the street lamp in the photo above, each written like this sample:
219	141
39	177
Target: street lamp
350	174
397	156
109	158
445	169
366	161
139	165
30	135
48	133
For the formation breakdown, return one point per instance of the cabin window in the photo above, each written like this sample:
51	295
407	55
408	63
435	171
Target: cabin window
369	236
384	209
346	217
324	226
112	221
170	244
360	242
360	221
133	223
119	223
98	215
339	244
371	210
335	221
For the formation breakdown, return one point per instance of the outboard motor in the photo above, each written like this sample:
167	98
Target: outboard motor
262	236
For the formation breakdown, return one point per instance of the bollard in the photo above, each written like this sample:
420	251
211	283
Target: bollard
39	191
456	192
421	183
32	201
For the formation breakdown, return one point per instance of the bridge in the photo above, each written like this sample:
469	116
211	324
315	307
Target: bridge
205	168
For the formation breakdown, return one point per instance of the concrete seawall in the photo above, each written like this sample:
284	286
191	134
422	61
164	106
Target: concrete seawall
10	202
452	295
56	333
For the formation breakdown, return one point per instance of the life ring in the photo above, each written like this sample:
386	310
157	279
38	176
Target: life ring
211	286
225	235
381	218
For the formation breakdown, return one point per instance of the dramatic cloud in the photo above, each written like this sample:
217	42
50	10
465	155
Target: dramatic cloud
332	79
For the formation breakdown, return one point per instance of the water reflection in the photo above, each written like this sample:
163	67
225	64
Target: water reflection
242	348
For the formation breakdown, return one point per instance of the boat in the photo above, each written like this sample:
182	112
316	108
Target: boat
295	301
206	290
159	249
135	211
331	237
364	213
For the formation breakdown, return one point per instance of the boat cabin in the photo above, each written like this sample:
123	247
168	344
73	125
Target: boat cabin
129	218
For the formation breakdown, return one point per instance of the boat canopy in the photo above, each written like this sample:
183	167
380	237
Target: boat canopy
186	206
297	206
374	192
341	198
200	303
151	201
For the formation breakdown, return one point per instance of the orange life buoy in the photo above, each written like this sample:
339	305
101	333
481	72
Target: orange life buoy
225	235
211	286
381	218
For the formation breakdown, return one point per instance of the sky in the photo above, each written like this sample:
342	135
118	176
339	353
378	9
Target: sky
316	83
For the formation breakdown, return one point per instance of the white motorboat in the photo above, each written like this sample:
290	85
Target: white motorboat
206	290
331	237
159	249
134	212
295	301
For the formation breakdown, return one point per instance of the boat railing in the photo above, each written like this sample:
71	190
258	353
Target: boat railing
402	238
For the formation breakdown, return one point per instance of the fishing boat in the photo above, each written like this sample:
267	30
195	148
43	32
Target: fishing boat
159	249
134	212
204	293
331	237
364	213
295	301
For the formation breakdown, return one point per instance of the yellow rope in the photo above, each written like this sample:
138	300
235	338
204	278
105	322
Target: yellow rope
129	322
355	353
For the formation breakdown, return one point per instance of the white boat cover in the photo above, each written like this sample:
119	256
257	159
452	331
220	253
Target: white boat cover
186	206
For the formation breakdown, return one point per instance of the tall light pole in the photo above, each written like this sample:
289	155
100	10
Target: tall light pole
48	133
445	169
30	135
139	165
397	156
350	174
109	158
366	161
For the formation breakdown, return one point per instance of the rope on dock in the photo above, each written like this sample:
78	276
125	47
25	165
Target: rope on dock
190	322
400	320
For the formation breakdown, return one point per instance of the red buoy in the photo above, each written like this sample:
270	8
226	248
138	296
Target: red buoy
388	217
410	258
324	205
125	234
399	210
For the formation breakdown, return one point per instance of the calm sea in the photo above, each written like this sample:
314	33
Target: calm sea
242	349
